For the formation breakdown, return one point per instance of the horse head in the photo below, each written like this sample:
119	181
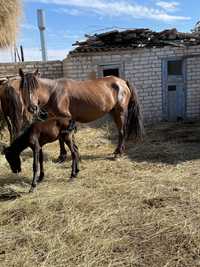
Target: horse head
13	159
28	86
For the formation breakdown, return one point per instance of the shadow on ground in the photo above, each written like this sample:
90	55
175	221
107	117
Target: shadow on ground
15	179
169	143
6	184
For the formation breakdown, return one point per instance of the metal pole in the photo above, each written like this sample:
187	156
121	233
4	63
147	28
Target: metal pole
43	45
41	26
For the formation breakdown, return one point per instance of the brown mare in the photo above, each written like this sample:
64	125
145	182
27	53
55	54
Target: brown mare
86	101
37	135
13	106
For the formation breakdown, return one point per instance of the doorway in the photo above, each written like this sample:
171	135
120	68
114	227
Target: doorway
174	96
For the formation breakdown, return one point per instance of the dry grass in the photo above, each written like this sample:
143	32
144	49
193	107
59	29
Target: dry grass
10	11
141	210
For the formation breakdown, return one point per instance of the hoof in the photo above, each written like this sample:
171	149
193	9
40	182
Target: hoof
74	175
117	155
71	179
41	177
61	159
32	189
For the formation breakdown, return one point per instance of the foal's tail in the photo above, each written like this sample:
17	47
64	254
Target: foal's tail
134	119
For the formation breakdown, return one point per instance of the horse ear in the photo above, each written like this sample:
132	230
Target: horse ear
37	73
21	73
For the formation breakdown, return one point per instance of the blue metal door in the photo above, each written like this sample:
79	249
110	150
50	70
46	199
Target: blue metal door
174	100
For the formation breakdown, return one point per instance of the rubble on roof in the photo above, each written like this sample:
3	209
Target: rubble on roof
135	38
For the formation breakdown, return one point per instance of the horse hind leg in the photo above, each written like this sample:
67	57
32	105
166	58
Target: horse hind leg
69	140
120	118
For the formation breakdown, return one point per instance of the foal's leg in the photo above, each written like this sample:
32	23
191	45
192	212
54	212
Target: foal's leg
74	152
120	117
36	152
62	111
75	147
41	177
63	152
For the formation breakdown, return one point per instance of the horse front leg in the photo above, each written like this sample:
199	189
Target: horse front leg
35	168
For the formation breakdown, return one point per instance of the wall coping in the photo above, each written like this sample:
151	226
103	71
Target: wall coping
30	62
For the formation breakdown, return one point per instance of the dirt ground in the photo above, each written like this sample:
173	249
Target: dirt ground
140	210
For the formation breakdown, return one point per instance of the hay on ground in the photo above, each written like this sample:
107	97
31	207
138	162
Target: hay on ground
142	210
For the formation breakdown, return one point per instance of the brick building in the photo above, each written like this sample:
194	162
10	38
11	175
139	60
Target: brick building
164	67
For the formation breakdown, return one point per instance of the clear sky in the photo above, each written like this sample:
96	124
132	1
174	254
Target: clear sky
68	21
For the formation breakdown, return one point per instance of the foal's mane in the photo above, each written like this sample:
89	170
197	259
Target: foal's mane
21	142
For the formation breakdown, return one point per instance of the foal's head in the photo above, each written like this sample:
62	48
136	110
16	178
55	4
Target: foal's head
28	87
13	160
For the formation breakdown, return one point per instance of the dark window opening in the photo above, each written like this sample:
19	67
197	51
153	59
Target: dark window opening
108	72
174	67
172	88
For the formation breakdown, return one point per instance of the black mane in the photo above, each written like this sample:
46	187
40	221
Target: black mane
21	142
29	83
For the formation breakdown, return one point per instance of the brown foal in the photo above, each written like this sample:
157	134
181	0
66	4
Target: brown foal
35	137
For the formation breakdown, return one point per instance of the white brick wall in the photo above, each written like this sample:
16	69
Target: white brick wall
143	68
49	69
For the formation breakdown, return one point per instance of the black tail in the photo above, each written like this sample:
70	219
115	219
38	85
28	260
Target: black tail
134	120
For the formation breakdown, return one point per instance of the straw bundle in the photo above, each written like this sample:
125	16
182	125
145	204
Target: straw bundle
9	20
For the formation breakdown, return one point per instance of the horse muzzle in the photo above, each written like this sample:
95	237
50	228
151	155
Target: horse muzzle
16	170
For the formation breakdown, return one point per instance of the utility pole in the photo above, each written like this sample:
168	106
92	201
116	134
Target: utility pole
41	26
